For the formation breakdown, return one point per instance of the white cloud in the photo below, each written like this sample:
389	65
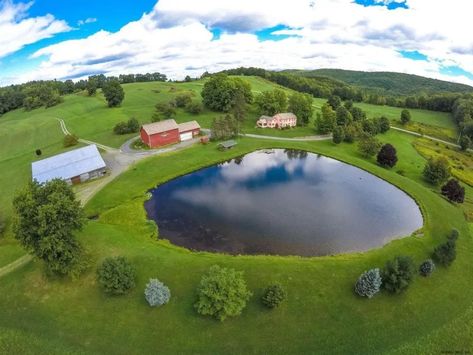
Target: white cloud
176	38
86	21
17	30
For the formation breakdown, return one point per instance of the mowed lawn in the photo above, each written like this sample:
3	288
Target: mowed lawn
321	315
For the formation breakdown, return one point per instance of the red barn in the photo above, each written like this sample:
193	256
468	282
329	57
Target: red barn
168	132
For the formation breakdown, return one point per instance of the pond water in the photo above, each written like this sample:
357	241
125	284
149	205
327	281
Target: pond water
282	202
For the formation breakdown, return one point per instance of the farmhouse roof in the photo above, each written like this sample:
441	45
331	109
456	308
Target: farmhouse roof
188	126
267	118
285	115
69	164
160	127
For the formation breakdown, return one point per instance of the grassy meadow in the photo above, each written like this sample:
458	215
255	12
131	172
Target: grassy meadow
41	315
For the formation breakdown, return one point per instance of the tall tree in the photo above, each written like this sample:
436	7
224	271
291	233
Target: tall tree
113	93
271	102
220	90
47	217
325	121
405	117
301	106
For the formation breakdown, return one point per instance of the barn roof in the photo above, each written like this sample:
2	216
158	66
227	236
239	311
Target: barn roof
160	127
188	126
69	164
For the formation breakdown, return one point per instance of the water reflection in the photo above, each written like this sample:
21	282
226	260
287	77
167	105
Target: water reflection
284	202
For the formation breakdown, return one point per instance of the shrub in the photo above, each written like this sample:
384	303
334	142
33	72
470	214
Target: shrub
69	140
38	152
116	275
350	133
163	111
338	135
405	117
446	253
369	283
194	107
383	124
427	268
182	100
398	273
131	126
436	171
157	293
222	293
454	191
387	156
369	146
273	296
465	143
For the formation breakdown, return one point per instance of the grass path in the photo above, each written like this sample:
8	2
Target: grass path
15	265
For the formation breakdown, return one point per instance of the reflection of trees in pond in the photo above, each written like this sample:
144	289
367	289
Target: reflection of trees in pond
236	160
295	153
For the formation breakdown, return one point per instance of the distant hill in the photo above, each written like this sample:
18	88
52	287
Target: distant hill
387	82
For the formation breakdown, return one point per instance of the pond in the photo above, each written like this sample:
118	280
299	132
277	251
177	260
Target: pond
282	202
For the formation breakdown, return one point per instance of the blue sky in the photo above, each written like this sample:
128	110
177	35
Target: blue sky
69	39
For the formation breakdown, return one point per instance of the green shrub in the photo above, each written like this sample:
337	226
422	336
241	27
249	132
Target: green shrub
446	253
398	274
194	107
157	293
427	268
436	171
369	146
369	283
116	275
131	126
222	293
182	100
465	142
338	135
387	156
70	140
273	296
38	152
405	117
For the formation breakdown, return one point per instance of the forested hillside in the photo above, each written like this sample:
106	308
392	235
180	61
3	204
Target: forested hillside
387	83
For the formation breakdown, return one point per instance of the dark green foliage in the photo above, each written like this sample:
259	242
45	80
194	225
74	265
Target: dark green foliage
164	111
351	133
222	293
382	124
325	122
47	216
113	93
239	106
357	114
446	253
398	273
91	86
369	127
194	107
387	156
131	126
334	101
427	268
301	106
369	146
70	140
40	93
338	134
224	127
465	143
182	100
3	225
369	283
271	102
405	117
454	191
344	116
348	105
220	90
116	275
38	152
436	171
273	296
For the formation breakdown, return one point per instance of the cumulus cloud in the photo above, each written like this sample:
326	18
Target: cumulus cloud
86	21
17	30
176	38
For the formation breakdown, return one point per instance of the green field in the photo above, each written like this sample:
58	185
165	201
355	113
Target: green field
41	315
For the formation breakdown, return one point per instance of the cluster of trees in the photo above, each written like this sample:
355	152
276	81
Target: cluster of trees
463	114
398	273
224	127
223	293
223	93
167	110
130	126
347	122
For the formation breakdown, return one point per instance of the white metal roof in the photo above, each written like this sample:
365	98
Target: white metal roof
69	164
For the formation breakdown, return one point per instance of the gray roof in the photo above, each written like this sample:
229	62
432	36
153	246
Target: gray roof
160	127
228	144
69	164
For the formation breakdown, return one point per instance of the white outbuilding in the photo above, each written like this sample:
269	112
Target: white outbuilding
74	167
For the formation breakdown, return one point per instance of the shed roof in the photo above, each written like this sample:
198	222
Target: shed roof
160	127
188	126
69	164
227	144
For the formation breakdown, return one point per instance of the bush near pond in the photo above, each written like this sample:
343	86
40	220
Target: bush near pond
387	156
454	191
446	253
436	170
273	296
369	283
222	293
157	293
116	275
398	274
427	268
